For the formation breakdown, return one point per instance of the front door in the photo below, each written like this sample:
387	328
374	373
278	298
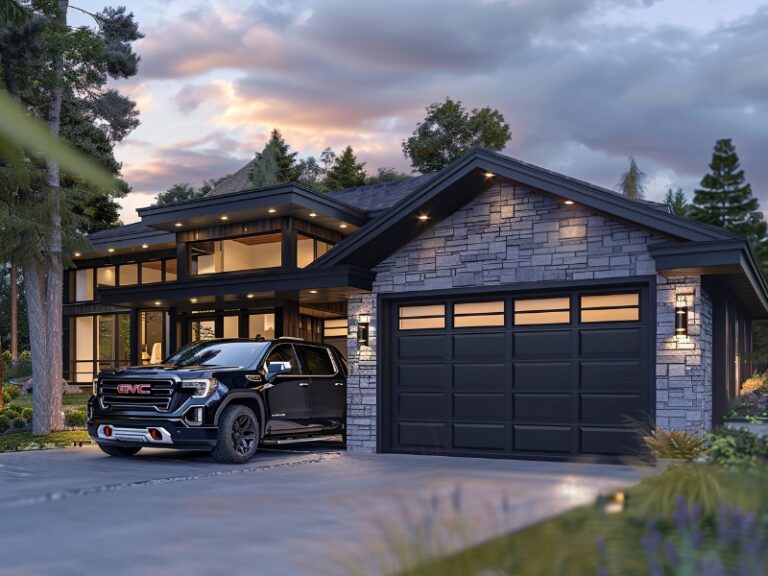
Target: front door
327	390
288	398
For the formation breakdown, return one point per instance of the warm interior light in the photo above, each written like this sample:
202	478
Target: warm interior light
423	217
568	202
77	254
145	245
224	217
271	210
312	214
110	249
178	224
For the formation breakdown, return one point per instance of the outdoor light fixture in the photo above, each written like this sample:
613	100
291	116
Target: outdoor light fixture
423	217
224	217
249	295
77	254
568	202
193	300
342	225
271	210
313	291
363	329
110	250
489	174
178	224
681	318
157	303
145	245
312	214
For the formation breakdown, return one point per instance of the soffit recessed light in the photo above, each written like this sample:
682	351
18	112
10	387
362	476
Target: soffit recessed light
157	302
178	224
313	291
110	249
568	202
145	245
224	217
312	214
423	217
342	225
193	300
249	295
489	174
77	254
272	210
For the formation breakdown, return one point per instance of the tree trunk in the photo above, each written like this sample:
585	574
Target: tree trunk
44	284
14	313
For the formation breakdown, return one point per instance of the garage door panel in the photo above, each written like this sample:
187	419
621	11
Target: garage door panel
611	409
619	342
480	346
423	376
608	441
551	344
481	406
543	376
616	376
484	376
433	347
421	406
483	436
543	408
424	435
556	439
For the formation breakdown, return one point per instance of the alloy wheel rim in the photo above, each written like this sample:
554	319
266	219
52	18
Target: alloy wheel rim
243	434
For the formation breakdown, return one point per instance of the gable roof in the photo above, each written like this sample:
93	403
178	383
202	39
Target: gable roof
240	180
377	197
466	178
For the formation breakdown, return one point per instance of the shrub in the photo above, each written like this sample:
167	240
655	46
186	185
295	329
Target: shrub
751	405
12	410
13	391
674	444
19	422
731	447
25	356
755	384
5	423
6	398
75	418
26	413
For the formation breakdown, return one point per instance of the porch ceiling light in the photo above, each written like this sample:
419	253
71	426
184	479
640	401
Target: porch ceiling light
224	217
157	302
193	300
110	250
272	210
313	291
249	295
312	214
489	174
342	225
423	217
178	224
77	254
145	246
568	202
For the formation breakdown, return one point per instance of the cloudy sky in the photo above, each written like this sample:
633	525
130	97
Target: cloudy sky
583	83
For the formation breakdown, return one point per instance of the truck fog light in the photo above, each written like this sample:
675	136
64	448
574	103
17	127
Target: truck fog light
107	430
155	434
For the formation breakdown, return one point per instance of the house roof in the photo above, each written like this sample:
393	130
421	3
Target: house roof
240	180
377	197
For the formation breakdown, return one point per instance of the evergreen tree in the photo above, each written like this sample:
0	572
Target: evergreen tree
725	198
177	193
266	169
676	201
632	182
346	171
385	175
448	131
287	169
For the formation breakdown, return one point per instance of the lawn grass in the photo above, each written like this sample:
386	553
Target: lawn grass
26	441
566	544
70	400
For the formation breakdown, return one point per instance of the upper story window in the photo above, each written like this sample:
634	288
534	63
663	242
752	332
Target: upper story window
235	254
309	249
85	281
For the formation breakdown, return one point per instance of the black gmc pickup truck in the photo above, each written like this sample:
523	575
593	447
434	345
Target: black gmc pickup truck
225	396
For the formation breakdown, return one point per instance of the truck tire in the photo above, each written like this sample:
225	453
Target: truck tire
238	435
119	451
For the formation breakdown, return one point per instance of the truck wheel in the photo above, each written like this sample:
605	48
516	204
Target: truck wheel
238	435
119	451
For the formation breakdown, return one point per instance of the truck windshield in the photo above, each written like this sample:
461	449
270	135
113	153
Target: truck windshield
215	353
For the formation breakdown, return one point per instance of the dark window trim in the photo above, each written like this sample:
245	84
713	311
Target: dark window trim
189	245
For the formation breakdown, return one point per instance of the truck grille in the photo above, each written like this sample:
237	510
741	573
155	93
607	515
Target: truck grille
159	398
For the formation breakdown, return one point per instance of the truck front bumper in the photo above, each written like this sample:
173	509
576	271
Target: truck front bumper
150	432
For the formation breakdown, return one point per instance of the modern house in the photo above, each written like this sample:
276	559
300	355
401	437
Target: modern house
493	308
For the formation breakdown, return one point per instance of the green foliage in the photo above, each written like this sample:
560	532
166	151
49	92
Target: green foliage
26	441
178	193
75	418
13	391
674	444
5	423
725	198
677	202
385	175
346	171
6	398
632	182
737	447
19	422
275	164
26	413
448	131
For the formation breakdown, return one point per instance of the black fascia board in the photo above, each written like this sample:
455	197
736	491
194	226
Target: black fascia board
236	283
465	179
132	239
252	199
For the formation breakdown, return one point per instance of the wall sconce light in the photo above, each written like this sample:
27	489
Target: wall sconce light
681	318
363	329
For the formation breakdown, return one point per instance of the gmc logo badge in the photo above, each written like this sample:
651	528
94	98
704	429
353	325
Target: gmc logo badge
134	389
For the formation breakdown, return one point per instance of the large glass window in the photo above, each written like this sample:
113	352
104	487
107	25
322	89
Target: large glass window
231	326
83	288
476	314
203	330
261	326
543	311
422	317
610	308
170	270
98	343
129	274
151	271
335	328
309	249
235	254
105	276
151	336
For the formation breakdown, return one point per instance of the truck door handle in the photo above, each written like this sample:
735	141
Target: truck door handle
338	383
303	384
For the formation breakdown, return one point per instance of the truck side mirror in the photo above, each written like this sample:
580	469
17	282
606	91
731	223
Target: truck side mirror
277	368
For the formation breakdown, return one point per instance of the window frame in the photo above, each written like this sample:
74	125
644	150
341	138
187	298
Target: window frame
533	313
636	307
315	239
445	306
502	314
190	245
299	365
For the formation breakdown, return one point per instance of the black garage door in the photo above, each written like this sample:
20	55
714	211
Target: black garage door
544	374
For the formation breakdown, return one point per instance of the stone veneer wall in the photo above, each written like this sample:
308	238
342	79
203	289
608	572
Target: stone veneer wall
511	234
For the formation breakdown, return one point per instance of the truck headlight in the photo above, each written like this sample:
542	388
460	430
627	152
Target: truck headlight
200	388
95	386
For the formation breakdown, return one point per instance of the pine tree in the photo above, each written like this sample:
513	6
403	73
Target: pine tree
287	170
676	201
266	169
346	171
632	182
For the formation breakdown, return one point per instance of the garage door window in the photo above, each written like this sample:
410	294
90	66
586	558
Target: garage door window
610	308
422	317
543	311
477	314
335	328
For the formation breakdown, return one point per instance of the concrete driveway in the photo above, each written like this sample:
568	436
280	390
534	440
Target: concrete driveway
309	510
